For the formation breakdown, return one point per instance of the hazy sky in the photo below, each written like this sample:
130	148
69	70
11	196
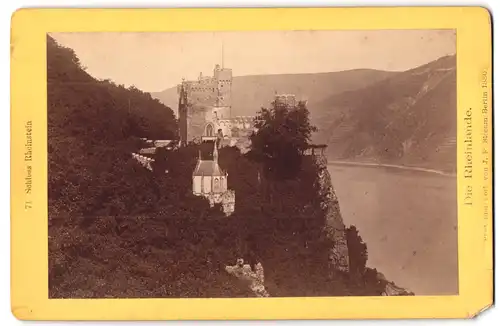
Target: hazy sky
156	61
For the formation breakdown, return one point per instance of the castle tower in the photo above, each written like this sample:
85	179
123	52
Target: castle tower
216	154
183	115
205	105
224	81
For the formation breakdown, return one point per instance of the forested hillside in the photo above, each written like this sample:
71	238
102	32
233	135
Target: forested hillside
93	126
181	249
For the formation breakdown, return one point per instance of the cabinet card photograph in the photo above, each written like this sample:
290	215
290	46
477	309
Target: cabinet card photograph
271	164
199	165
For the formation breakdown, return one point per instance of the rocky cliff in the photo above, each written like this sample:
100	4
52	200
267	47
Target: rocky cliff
253	278
408	118
334	225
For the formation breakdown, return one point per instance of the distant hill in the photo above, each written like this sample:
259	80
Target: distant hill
365	115
408	118
250	93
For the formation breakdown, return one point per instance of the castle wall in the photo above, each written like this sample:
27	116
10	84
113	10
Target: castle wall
199	117
224	183
195	122
209	105
223	75
222	126
219	184
226	199
197	184
224	78
212	91
286	99
221	112
208	101
202	93
207	184
144	160
220	119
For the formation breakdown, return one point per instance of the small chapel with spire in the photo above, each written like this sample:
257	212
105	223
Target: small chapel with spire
210	181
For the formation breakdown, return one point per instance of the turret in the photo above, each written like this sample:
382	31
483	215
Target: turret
182	111
216	153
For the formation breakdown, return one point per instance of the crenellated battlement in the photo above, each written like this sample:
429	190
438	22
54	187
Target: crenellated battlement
209	91
315	150
144	160
205	111
318	153
286	99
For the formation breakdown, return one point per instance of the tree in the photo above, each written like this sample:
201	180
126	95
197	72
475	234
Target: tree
93	127
282	133
358	254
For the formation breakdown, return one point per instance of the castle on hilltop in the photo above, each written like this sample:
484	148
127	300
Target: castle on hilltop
205	111
205	117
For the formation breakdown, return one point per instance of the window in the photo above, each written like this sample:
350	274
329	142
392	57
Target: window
209	130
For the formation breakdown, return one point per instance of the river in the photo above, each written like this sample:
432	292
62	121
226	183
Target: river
408	220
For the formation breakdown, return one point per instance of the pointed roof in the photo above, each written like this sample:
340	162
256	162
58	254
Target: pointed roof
208	168
211	167
215	153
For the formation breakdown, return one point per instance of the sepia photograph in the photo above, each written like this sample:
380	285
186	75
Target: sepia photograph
239	164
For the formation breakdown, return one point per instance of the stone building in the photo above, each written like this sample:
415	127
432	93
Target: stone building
210	181
285	99
146	155
205	105
205	110
205	115
145	161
